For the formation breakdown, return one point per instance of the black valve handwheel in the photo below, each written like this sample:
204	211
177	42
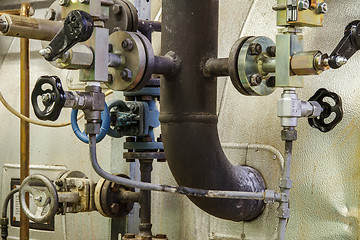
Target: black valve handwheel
52	98
320	122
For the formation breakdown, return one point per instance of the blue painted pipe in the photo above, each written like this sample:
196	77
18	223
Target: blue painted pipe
105	125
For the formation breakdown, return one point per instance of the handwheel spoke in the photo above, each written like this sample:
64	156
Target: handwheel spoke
39	211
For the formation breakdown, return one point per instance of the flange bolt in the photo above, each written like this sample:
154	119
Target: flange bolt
127	45
255	80
126	74
255	49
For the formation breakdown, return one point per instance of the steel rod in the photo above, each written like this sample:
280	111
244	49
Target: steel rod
24	126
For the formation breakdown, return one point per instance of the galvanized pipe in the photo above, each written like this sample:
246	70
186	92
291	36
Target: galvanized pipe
188	113
24	126
284	206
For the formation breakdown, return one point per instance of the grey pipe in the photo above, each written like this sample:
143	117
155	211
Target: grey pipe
7	200
284	206
172	189
188	113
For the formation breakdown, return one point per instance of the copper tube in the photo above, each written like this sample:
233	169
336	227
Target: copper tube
24	126
12	12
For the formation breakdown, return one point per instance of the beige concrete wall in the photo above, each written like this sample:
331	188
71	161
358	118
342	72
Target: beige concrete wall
325	197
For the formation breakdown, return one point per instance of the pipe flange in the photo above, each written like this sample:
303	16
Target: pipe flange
107	200
134	68
123	16
150	61
245	61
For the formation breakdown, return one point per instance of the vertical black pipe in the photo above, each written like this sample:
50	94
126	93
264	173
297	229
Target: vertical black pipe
145	200
188	113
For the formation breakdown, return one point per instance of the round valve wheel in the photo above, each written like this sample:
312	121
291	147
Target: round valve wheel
332	113
43	194
48	98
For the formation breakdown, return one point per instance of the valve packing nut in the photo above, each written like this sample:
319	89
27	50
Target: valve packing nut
303	5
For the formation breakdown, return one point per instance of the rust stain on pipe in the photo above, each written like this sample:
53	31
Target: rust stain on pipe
24	126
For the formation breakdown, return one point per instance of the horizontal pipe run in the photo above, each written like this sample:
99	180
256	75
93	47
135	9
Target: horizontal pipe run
69	197
216	67
165	65
145	26
31	28
129	196
269	65
11	11
276	197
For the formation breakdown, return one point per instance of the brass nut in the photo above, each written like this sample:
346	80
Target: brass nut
304	63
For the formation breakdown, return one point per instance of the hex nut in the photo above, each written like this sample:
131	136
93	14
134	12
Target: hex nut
127	45
114	208
117	9
271	51
126	74
50	14
255	80
317	109
322	8
289	135
92	128
255	49
303	5
63	2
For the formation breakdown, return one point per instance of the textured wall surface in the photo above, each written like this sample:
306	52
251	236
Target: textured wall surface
324	199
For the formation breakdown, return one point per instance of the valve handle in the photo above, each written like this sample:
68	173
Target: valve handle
347	47
320	122
78	27
52	99
43	194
